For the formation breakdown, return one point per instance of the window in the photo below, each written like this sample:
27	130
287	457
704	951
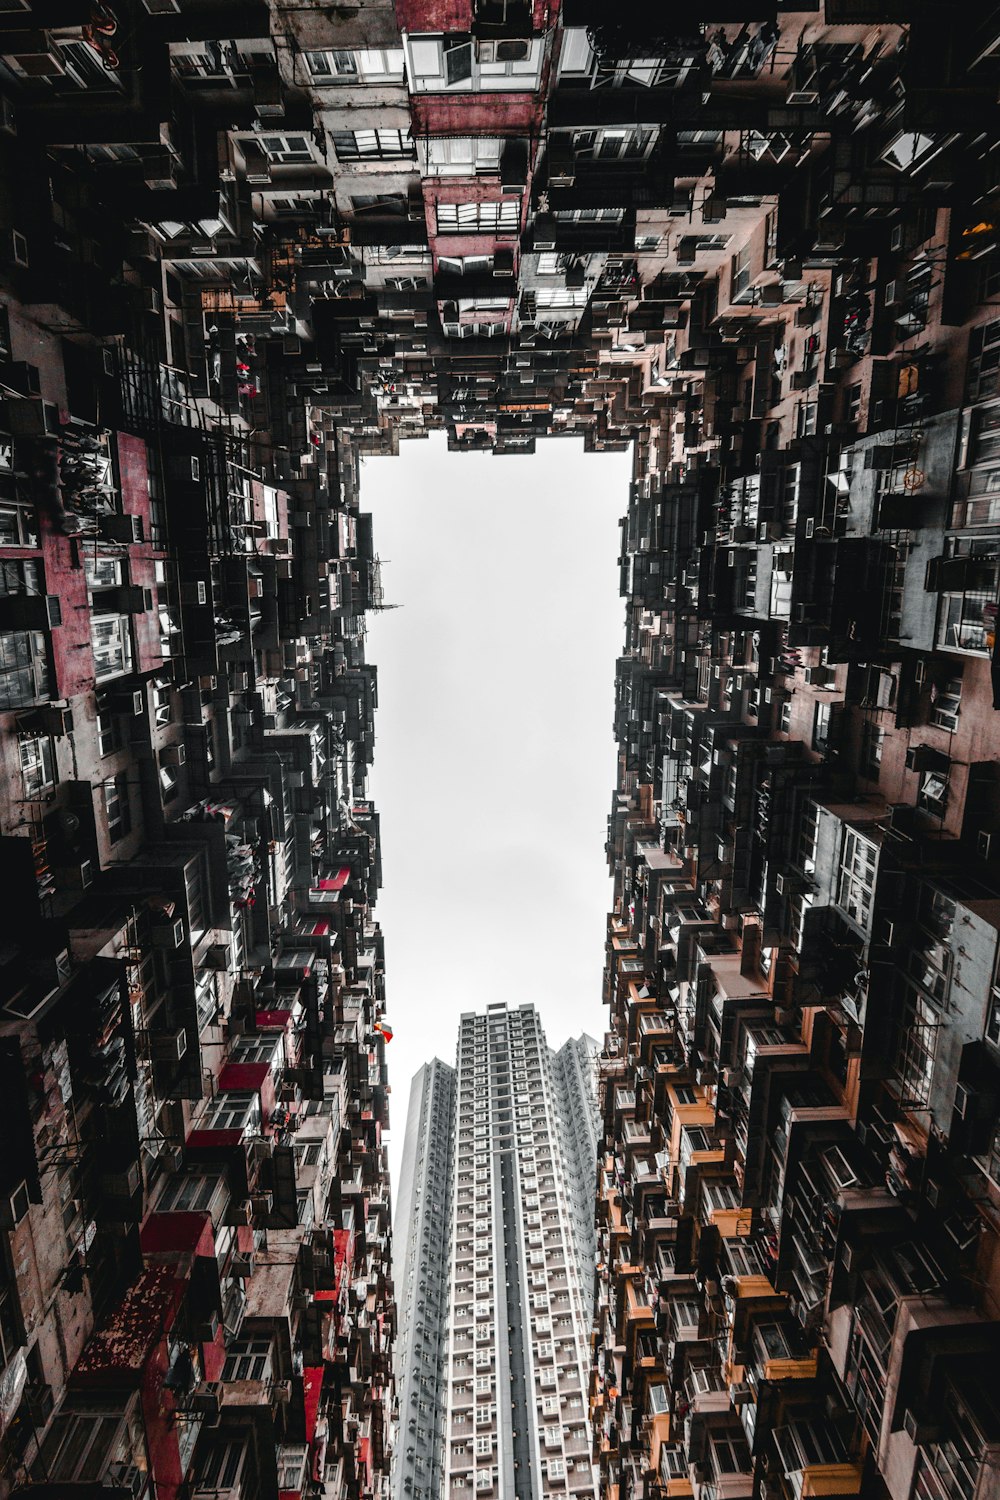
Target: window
10	1317
614	143
117	808
561	296
872	738
946	704
288	149
191	1194
443	63
363	65
373	145
248	1359
822	724
36	764
24	670
111	638
933	793
859	865
108	731
739	274
462	155
478	218
806	419
589	215
852	402
466	265
378	203
909	151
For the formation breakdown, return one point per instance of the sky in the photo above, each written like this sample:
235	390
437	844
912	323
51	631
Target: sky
494	748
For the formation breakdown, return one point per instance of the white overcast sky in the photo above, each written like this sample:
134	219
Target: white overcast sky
494	753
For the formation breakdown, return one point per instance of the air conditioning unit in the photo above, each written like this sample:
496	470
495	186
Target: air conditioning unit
14	1206
545	232
173	755
122	1184
130	702
171	1158
918	1431
896	239
258	163
889	295
802	96
58	721
168	1046
81	876
18	248
169	934
242	1266
514	49
206	1400
561	163
120	528
817	676
186	467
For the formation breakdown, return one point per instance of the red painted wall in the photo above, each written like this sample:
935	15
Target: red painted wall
456	15
477	114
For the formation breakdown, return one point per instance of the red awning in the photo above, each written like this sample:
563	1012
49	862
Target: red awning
118	1354
177	1233
343	1258
312	1381
273	1020
336	882
243	1078
321	929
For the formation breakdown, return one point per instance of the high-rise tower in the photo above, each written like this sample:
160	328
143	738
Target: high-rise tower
420	1273
516	1291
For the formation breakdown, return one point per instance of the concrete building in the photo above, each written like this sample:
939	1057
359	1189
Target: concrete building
496	1292
240	249
420	1272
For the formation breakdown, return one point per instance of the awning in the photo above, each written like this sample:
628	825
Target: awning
243	1078
321	929
176	1233
335	882
312	1383
272	1020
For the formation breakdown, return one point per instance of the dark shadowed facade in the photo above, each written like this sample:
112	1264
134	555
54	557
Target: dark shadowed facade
244	246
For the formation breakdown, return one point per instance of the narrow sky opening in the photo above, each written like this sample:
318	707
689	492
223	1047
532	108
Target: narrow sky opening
494	757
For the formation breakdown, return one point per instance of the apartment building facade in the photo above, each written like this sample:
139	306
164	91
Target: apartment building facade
497	1271
242	248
